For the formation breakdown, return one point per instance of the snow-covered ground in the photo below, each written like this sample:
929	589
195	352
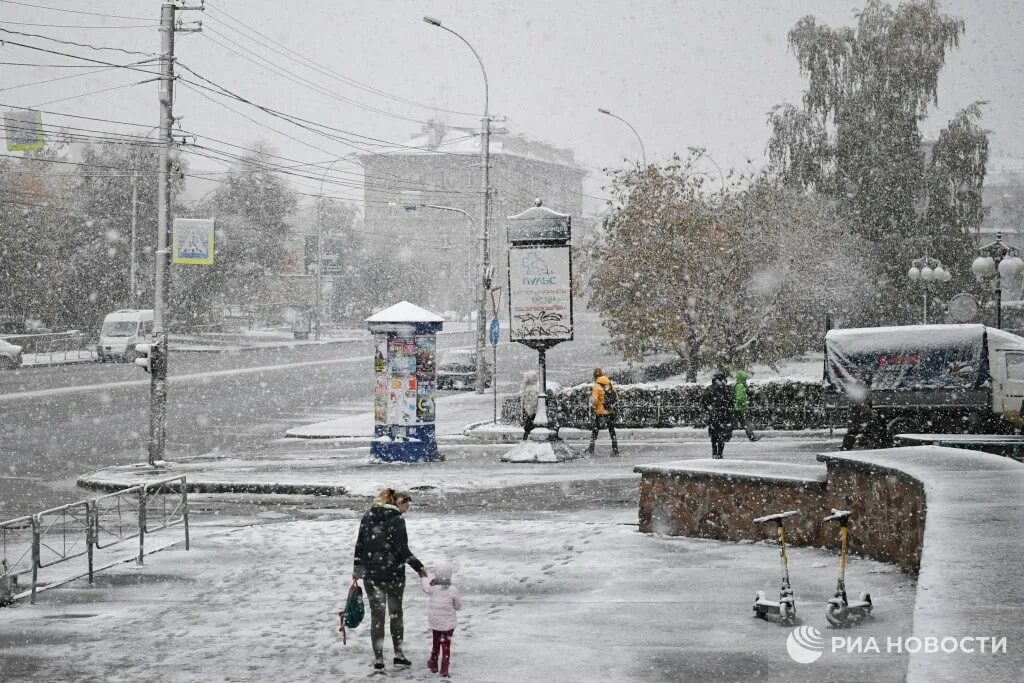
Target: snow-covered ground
578	596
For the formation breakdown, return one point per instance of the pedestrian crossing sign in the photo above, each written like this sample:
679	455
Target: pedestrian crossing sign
192	241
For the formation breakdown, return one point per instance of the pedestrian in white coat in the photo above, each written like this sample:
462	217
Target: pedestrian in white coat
445	601
529	393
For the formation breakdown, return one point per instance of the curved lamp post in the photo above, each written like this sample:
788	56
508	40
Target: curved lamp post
996	261
638	138
320	252
485	269
925	271
472	229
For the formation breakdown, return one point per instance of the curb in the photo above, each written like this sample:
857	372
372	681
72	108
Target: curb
87	481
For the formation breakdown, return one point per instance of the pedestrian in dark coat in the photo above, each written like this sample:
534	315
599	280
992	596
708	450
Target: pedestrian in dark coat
381	553
860	422
718	410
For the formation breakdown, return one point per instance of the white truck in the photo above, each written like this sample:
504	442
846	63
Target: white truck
121	331
931	378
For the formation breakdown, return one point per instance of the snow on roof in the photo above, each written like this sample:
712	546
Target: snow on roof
870	339
740	469
405	312
917	337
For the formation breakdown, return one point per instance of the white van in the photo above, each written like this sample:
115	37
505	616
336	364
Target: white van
121	331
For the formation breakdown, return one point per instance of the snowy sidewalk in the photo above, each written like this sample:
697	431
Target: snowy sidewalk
556	597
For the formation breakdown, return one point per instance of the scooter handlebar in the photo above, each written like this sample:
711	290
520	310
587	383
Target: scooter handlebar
781	515
837	515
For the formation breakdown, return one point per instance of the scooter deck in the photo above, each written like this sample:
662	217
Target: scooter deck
781	515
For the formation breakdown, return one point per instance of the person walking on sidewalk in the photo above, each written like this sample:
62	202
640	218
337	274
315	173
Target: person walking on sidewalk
381	553
529	394
603	399
445	601
742	404
718	406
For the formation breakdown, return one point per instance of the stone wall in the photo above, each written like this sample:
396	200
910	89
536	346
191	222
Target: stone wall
888	509
719	499
723	506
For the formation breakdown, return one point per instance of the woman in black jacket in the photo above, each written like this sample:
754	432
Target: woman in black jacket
718	407
382	551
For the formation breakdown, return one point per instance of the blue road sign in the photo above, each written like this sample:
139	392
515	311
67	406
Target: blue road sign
495	331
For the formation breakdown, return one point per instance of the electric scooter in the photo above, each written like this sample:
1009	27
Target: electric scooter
783	611
840	611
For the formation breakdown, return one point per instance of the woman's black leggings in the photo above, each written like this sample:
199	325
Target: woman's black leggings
385	594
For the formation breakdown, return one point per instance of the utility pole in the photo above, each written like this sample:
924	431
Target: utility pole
481	316
158	376
132	258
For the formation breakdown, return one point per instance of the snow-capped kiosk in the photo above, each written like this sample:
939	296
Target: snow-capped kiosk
405	344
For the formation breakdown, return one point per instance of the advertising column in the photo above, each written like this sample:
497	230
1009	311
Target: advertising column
405	382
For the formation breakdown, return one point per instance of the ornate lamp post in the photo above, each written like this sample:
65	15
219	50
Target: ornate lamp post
927	270
997	261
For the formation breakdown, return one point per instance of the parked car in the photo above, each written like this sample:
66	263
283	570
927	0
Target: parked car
10	355
121	331
457	370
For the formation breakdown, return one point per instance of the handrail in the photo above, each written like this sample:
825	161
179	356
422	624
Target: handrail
151	500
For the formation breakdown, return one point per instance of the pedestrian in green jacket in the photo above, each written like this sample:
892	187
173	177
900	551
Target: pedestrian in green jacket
741	404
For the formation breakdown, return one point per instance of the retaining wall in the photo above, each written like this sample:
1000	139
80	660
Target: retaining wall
954	516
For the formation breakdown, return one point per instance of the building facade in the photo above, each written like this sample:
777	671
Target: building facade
442	167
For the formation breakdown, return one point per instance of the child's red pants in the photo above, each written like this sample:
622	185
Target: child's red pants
442	642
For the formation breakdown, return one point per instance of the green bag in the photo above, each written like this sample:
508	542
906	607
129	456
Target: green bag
354	609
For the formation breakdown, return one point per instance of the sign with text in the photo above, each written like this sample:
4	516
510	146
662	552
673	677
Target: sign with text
192	240
540	295
24	128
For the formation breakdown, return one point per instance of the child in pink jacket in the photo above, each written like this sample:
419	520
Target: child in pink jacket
444	602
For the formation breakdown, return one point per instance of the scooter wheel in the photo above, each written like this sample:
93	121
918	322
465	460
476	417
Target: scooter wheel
837	616
787	613
757	599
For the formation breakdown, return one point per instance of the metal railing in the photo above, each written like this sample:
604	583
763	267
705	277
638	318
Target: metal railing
50	347
34	542
17	554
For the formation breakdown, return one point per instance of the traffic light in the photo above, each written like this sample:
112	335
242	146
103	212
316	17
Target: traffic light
144	356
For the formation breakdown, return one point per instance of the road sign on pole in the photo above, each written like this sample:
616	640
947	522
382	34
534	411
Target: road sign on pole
192	239
495	332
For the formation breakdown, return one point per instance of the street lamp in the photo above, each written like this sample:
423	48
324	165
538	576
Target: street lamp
643	151
485	269
993	263
702	153
320	252
926	270
472	229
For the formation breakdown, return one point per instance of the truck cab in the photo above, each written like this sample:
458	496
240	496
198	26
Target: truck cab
121	331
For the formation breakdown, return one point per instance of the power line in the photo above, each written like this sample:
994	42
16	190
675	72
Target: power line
94	92
71	42
73	11
190	84
73	56
280	71
79	116
315	66
116	28
57	78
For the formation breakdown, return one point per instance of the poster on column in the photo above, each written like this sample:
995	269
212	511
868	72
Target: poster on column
426	377
540	294
380	379
402	381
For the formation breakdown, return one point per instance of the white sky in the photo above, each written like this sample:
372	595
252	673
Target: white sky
683	73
